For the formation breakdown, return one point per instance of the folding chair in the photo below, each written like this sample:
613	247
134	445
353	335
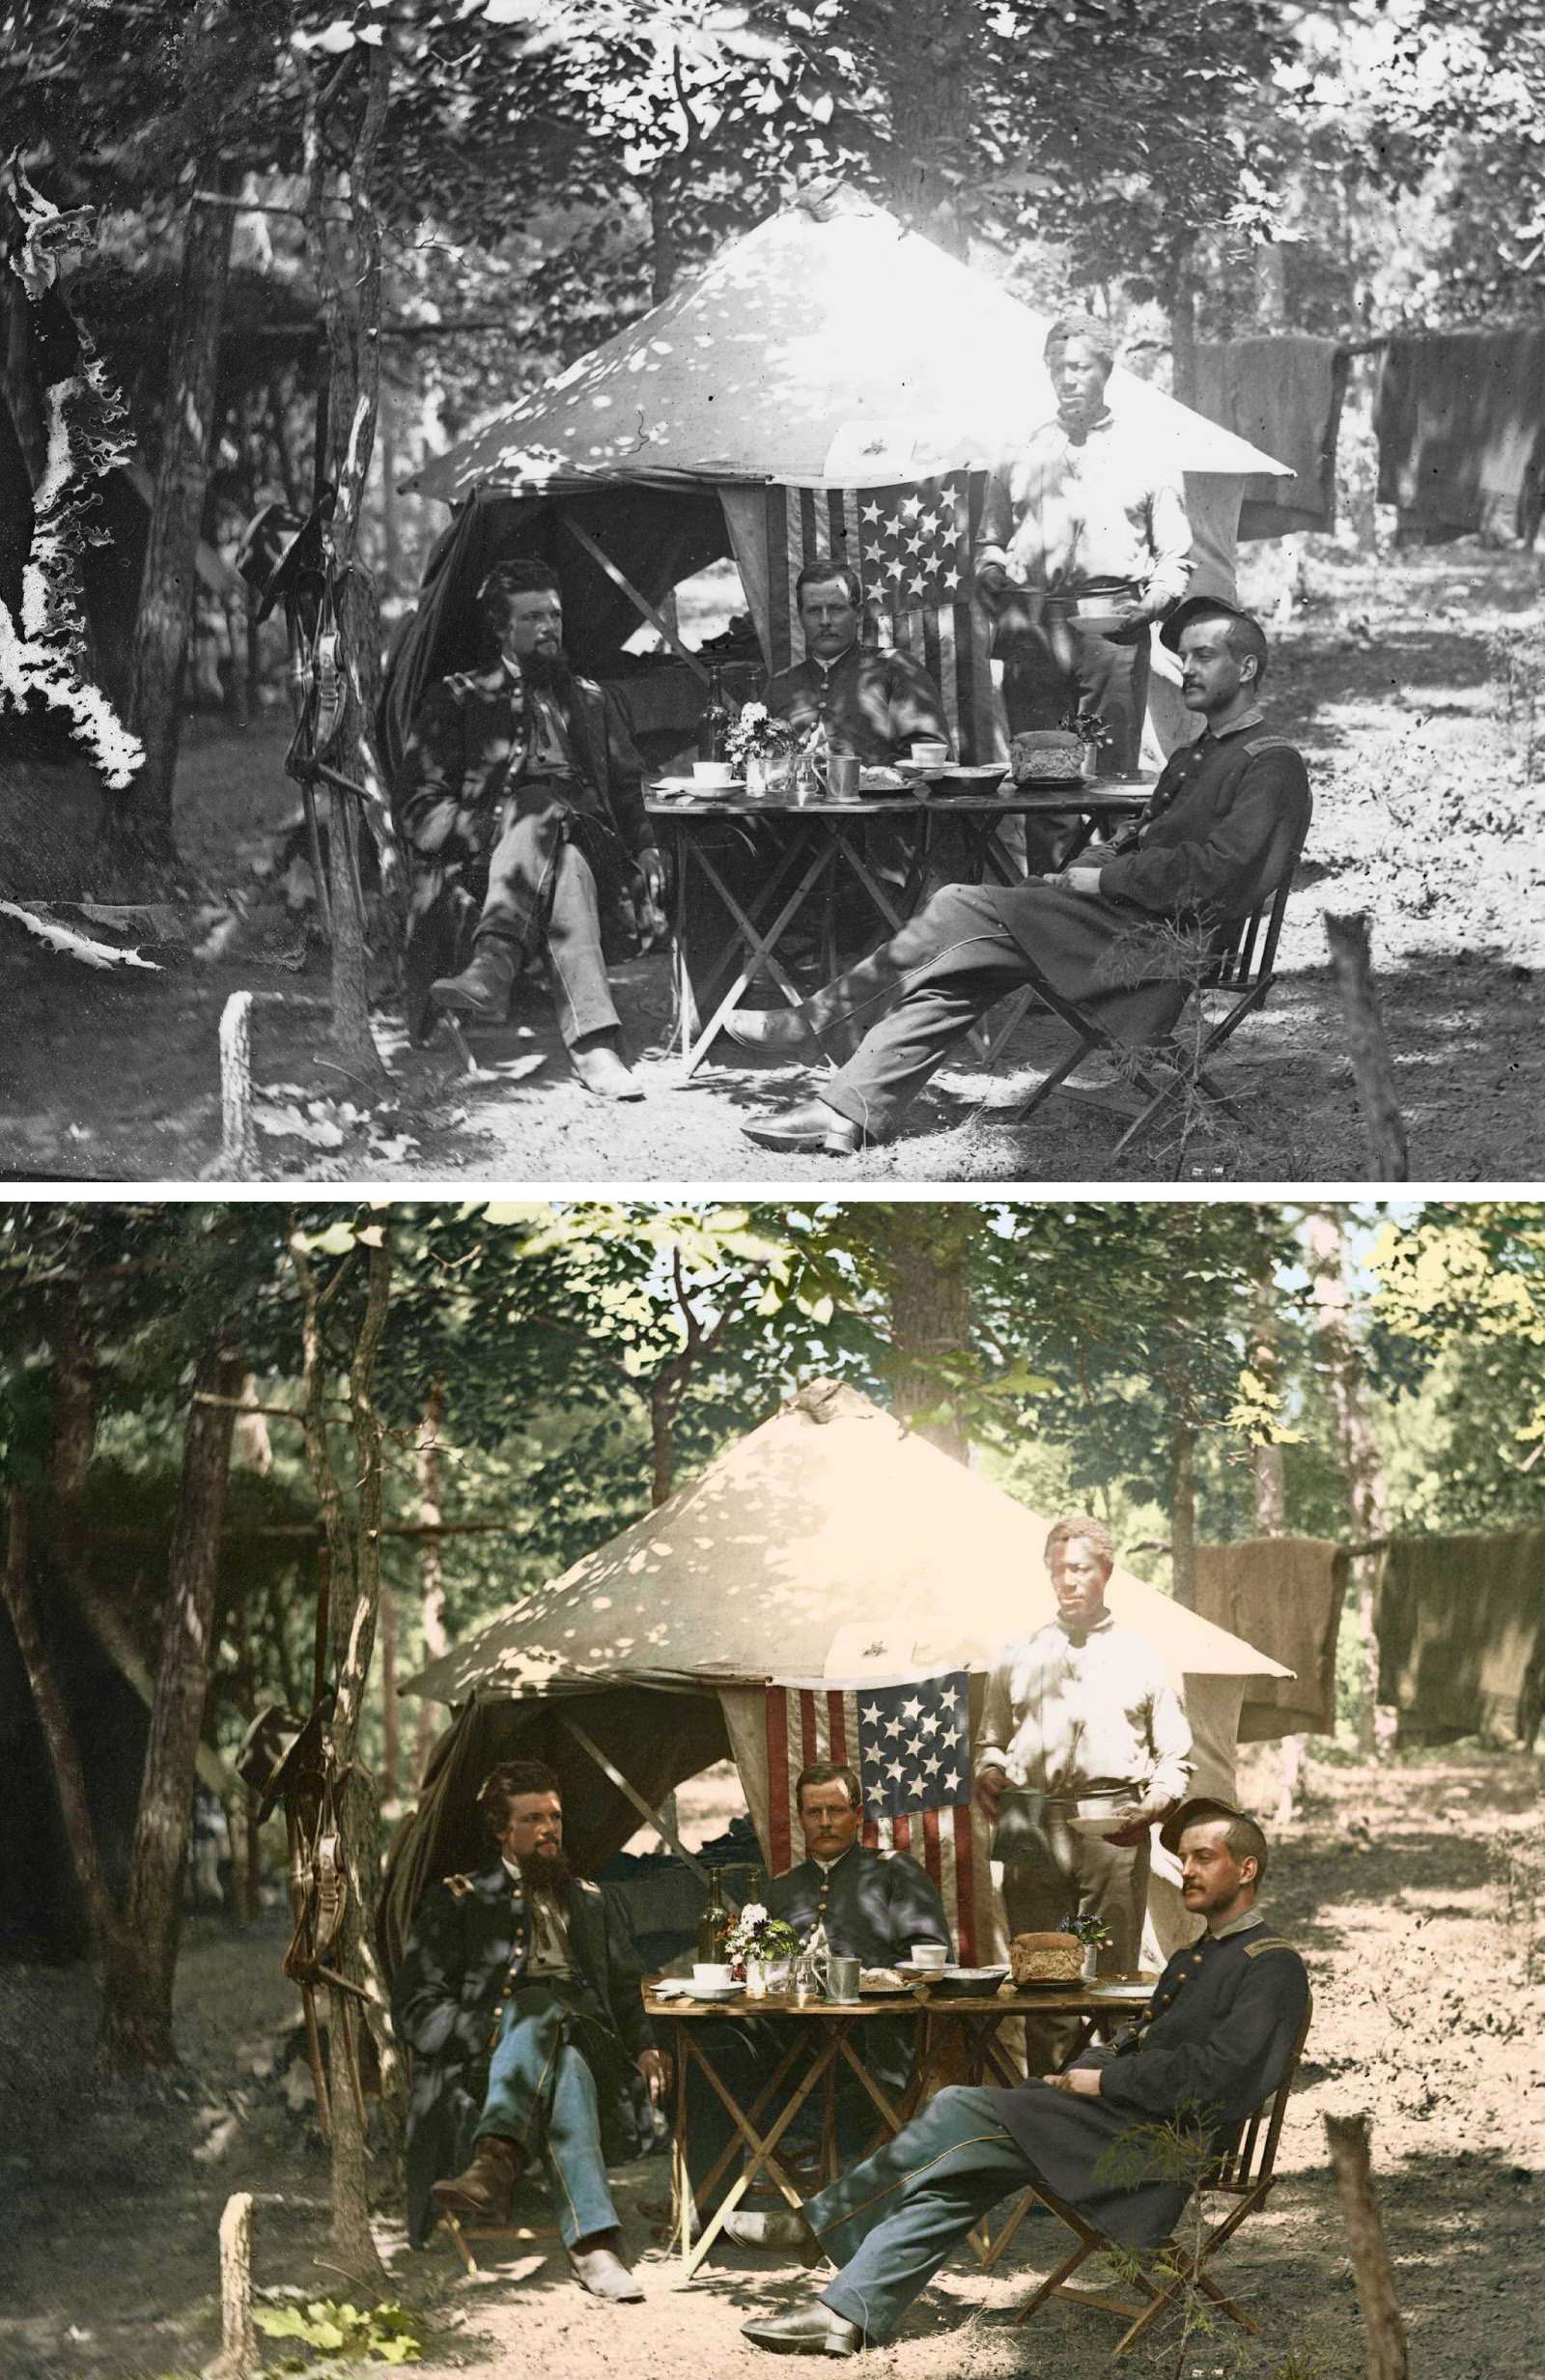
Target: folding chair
1241	2171
1239	961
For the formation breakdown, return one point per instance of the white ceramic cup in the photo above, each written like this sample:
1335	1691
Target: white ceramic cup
713	773
931	755
711	1973
929	1954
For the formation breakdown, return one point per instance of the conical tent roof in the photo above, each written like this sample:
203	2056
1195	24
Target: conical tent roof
828	1541
828	348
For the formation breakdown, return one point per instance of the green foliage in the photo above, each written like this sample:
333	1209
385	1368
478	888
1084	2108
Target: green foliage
328	2327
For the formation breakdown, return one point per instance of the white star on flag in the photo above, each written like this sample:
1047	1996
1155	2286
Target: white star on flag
904	1731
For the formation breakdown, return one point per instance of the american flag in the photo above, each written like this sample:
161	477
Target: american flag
944	1833
915	1745
912	547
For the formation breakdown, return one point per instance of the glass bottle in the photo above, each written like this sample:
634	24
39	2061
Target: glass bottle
714	1922
714	720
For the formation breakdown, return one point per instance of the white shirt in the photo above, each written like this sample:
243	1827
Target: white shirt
1066	1710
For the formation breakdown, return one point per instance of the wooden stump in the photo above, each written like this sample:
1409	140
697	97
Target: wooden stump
239	2358
239	1156
1382	2326
1383	1125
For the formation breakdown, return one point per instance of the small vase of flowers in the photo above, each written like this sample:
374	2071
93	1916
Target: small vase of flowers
1090	729
1094	1933
754	1942
762	748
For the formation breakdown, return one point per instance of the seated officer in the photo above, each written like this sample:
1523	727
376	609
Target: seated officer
519	1995
1106	933
528	771
876	703
874	1907
1202	2056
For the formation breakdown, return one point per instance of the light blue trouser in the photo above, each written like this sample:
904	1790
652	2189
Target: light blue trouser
893	2220
542	2095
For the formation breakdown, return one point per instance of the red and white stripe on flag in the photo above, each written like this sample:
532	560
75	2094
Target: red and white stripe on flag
806	1723
916	579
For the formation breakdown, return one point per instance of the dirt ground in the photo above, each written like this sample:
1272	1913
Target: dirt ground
1416	1890
1423	819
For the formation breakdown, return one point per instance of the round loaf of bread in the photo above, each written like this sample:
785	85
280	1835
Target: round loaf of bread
1046	1958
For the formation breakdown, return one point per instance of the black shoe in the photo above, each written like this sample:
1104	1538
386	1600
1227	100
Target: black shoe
814	1126
811	2329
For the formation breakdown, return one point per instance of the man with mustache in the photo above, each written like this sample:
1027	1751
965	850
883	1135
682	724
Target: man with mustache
534	1971
1102	932
1214	2039
531	767
1080	530
871	1906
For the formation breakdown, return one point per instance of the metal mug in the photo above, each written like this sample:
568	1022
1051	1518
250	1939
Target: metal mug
841	775
842	1979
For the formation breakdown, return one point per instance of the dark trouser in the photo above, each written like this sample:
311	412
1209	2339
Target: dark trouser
534	876
1053	1873
951	963
1059	667
893	2220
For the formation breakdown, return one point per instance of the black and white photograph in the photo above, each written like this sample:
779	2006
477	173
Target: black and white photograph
633	592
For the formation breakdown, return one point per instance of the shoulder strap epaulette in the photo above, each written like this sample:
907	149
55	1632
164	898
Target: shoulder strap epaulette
585	1886
1270	744
1272	1941
459	1885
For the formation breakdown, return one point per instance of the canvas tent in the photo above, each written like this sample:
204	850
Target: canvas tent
827	352
830	1544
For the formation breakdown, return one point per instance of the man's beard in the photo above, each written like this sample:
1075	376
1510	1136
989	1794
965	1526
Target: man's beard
551	672
548	1871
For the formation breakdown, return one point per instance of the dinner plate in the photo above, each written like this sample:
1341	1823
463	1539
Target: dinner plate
1117	1988
953	1975
715	1991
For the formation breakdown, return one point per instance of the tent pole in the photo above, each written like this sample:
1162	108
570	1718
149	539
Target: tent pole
640	602
656	1818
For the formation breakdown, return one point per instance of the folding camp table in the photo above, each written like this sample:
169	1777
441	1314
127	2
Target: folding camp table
960	2033
822	841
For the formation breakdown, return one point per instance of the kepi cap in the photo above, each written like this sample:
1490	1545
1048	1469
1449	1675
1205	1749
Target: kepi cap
1198	606
1191	1813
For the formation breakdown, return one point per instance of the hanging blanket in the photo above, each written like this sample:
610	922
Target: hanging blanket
1284	1593
1461	1629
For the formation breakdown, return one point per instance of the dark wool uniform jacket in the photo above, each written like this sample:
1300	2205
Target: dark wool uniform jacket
1217	823
470	1944
876	1908
466	746
1214	2041
876	702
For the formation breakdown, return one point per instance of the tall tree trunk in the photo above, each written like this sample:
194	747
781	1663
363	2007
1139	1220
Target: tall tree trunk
1271	1520
356	1567
922	1251
1359	1453
390	1727
1183	327
431	1567
351	308
1183	1512
137	2022
58	1733
1266	1463
930	99
169	584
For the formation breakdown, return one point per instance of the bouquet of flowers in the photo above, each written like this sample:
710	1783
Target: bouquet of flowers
755	1935
1092	1931
756	735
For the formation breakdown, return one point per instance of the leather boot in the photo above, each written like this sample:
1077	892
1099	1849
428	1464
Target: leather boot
483	987
483	2191
603	1069
598	2267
